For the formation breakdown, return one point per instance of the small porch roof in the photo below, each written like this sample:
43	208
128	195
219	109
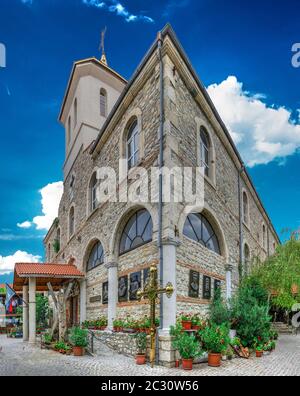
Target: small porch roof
56	274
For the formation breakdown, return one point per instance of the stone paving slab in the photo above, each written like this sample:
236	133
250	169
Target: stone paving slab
18	358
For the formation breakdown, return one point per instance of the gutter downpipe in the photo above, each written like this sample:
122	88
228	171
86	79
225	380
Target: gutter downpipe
241	170
161	164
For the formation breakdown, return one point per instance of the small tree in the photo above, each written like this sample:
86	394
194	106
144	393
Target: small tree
280	274
219	312
42	310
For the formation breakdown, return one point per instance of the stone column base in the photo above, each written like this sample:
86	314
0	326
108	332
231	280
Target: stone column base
167	354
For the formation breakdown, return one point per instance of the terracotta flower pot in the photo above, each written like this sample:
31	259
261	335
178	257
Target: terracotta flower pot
187	364
140	359
259	354
187	324
214	359
196	327
78	351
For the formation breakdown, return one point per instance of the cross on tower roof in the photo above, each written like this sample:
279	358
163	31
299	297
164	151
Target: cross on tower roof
102	47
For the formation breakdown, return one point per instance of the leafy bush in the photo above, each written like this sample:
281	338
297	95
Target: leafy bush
78	337
251	313
219	312
61	346
141	342
215	339
42	310
187	345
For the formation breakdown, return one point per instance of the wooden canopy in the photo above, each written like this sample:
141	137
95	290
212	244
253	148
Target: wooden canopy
56	274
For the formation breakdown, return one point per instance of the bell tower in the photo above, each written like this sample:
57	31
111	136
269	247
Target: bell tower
91	93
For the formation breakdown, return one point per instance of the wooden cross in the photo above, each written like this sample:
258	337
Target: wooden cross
152	291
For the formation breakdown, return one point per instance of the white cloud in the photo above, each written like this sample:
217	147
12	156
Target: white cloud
51	196
115	6
7	263
262	133
25	224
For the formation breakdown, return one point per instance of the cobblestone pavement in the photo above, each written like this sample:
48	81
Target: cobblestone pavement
18	358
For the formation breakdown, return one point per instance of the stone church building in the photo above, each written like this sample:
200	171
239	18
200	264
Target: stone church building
107	118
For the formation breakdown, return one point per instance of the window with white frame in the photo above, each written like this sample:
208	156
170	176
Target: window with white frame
75	112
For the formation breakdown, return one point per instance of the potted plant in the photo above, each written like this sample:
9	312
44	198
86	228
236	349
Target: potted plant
141	344
196	323
215	340
62	347
78	338
259	347
188	347
186	321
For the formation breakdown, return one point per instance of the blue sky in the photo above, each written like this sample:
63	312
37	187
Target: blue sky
249	42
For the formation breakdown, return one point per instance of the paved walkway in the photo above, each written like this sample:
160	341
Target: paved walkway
18	358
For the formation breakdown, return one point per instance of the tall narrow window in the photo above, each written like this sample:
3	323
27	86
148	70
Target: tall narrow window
71	222
93	192
245	208
103	103
69	131
264	236
133	144
75	112
246	259
204	151
57	242
49	252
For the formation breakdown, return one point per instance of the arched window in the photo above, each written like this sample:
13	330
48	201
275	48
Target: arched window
93	192
103	102
96	256
198	228
133	144
75	112
205	151
137	232
71	221
246	258
245	208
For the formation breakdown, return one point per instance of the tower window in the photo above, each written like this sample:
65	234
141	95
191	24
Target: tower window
103	103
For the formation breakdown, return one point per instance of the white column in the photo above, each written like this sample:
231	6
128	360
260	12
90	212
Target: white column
82	301
169	275
25	314
112	292
229	269
32	312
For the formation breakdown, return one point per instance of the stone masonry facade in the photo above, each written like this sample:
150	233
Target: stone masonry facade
185	111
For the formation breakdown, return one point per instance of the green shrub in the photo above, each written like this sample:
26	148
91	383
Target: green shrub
187	346
219	312
78	337
215	339
141	342
61	346
252	318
